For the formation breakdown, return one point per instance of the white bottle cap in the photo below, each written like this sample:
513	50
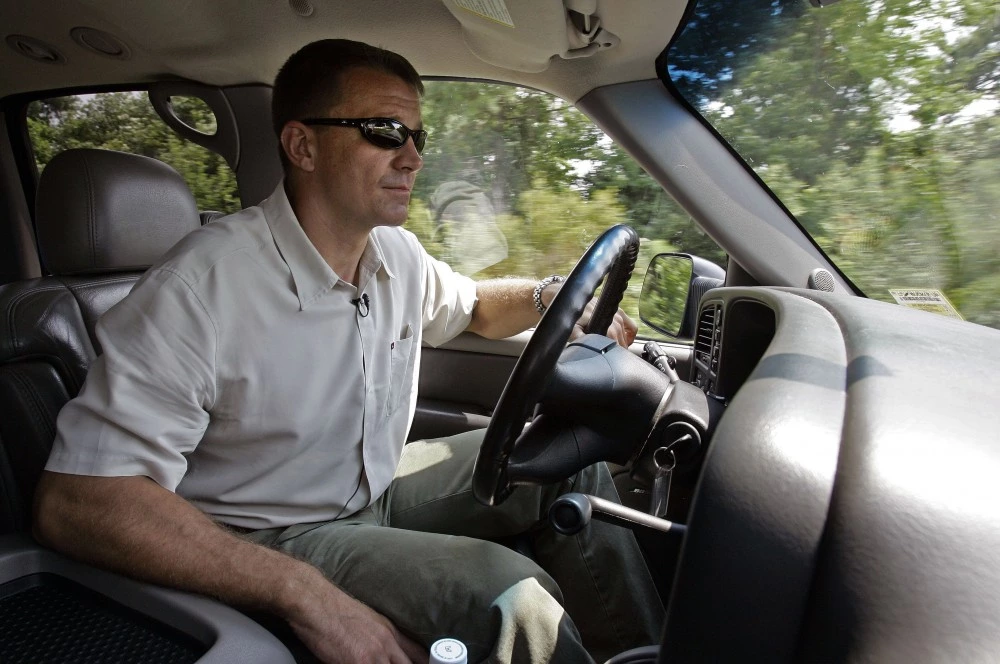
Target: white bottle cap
448	651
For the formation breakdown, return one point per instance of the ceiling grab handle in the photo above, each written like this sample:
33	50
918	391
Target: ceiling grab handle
224	142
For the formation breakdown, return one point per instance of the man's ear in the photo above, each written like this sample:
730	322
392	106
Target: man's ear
299	144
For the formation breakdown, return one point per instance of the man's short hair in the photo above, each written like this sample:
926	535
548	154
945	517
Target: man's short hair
308	84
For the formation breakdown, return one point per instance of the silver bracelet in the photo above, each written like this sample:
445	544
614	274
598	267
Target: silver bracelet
537	295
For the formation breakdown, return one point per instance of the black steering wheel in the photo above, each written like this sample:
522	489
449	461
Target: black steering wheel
612	255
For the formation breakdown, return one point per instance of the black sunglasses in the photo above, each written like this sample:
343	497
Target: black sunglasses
381	132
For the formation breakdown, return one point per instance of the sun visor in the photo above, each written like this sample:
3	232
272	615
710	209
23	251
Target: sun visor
524	35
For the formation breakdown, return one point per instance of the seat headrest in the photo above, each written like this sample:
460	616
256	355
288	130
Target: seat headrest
105	211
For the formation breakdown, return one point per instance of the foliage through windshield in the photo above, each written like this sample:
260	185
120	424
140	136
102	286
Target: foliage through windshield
875	123
518	182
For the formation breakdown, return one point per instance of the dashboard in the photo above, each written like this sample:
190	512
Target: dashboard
847	509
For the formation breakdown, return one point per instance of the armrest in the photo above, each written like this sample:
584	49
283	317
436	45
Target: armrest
225	635
434	418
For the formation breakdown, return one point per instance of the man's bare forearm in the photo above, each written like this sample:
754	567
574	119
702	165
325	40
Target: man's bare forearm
506	307
133	526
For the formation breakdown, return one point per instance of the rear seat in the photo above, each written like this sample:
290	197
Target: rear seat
102	218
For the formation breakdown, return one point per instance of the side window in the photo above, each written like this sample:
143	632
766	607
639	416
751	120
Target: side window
517	182
126	121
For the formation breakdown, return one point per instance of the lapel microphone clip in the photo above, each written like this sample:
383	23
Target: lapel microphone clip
362	304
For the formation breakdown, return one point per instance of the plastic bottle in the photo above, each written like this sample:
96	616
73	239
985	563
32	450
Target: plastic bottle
449	651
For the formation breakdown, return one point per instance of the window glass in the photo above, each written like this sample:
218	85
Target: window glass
876	123
126	121
519	183
195	113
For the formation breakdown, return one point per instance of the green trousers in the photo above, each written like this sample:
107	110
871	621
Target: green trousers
420	556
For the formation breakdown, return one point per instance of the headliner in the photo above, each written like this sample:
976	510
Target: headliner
229	42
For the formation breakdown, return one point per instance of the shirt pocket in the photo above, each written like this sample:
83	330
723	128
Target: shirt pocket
400	370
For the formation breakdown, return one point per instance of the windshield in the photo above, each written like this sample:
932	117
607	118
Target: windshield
875	123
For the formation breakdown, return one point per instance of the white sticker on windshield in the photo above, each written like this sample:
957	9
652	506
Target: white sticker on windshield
495	10
926	299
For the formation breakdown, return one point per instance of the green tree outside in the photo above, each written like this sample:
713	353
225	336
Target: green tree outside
862	118
126	121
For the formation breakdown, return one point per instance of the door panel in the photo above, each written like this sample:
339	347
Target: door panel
460	383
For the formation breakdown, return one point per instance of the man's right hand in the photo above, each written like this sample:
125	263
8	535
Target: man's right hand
339	629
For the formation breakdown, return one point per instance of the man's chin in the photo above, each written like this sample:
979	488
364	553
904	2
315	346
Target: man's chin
395	216
391	221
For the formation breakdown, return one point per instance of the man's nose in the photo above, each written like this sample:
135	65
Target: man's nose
407	157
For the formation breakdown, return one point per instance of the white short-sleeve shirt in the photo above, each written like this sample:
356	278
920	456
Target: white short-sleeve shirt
239	373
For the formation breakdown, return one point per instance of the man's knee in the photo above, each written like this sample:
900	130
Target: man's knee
493	570
521	609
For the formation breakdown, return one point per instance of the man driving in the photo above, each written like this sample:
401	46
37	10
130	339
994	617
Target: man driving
242	435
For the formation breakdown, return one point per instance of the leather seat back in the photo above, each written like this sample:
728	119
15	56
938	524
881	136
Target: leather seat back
102	218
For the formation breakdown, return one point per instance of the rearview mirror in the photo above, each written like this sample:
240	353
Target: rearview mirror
673	285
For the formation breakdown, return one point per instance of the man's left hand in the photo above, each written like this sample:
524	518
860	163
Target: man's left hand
623	329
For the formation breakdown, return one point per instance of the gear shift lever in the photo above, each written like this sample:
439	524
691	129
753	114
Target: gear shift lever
572	512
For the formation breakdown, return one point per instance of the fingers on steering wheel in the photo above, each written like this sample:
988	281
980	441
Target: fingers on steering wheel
622	329
629	327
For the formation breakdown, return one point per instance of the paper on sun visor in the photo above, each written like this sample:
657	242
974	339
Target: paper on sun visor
495	10
926	299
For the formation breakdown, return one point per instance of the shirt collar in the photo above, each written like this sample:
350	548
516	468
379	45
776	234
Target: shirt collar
377	255
312	276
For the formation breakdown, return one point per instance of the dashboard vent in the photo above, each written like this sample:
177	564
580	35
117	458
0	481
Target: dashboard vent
707	323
